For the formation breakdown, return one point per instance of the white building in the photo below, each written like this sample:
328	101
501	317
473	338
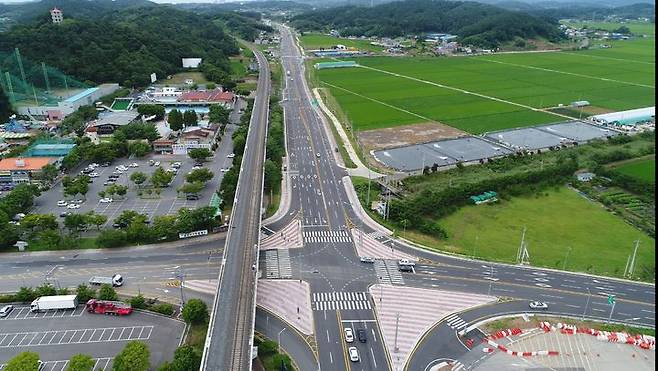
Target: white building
56	15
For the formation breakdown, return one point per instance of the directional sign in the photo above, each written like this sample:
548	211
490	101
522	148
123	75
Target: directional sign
611	299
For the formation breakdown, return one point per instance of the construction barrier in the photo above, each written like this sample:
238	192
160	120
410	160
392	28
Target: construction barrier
505	333
503	349
643	341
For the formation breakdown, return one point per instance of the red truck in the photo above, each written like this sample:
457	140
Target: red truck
116	308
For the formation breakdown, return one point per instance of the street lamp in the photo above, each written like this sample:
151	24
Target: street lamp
589	294
278	338
180	275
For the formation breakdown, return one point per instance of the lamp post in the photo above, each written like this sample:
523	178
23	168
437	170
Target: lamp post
589	295
180	275
278	339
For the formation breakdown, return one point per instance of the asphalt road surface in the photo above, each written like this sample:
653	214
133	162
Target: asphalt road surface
229	341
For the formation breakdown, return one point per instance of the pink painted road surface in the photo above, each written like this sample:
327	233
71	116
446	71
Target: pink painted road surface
288	299
419	310
289	237
370	247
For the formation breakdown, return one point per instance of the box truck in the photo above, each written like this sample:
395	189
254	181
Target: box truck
44	303
116	280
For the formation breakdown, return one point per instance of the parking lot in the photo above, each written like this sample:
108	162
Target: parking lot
168	202
58	335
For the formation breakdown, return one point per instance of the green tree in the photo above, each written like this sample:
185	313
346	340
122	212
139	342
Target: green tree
218	114
47	174
96	219
186	358
190	118
161	178
107	292
75	223
196	219
162	227
199	154
195	311
81	362
74	186
139	149
45	289
138	302
273	175
152	109
128	217
50	238
85	293
138	178
202	175
191	188
134	357
175	120
39	222
111	238
25	361
25	294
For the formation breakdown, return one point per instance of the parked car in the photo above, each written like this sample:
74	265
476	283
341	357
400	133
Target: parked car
117	172
538	305
191	197
176	165
317	155
231	155
134	164
93	175
157	163
349	335
354	354
72	206
62	203
196	168
4	311
105	200
109	182
105	164
151	162
224	169
64	214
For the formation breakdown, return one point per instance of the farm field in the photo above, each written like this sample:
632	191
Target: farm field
492	92
644	169
557	220
317	41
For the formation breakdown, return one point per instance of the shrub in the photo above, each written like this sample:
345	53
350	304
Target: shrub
138	302
195	311
134	357
163	308
85	293
107	292
81	362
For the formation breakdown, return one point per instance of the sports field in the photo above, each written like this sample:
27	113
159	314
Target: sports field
556	221
643	169
492	92
317	41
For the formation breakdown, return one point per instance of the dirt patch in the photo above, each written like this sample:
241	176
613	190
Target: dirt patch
406	135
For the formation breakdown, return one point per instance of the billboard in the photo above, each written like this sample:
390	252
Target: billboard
191	62
154	78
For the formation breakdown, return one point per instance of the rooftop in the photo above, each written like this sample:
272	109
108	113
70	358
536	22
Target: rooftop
216	95
19	163
121	118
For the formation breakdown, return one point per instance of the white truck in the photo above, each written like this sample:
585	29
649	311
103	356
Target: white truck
116	280
44	303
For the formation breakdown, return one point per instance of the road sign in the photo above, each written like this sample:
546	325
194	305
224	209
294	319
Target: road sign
611	299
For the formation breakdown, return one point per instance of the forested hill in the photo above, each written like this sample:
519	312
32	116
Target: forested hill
475	23
125	46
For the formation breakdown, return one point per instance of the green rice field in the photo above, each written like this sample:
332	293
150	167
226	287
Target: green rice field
317	41
492	92
558	223
643	169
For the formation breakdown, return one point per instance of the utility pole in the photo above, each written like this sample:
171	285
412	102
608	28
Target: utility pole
491	278
631	268
564	266
397	324
589	295
611	300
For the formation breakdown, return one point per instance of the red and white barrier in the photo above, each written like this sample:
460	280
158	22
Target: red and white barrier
505	333
514	353
643	341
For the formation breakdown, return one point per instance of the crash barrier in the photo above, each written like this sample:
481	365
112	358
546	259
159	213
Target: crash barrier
643	341
504	349
505	333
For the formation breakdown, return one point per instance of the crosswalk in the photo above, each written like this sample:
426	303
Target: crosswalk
388	273
377	235
457	366
277	264
341	301
455	322
327	236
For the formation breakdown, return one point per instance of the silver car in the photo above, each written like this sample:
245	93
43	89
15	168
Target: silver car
538	305
4	311
354	354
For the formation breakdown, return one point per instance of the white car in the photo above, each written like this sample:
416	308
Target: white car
61	203
157	163
105	200
121	168
117	172
231	155
224	169
93	175
406	262
354	354
317	155
538	305
72	206
196	168
134	164
93	165
176	165
349	335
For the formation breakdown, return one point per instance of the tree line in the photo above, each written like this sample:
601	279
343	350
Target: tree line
475	23
230	181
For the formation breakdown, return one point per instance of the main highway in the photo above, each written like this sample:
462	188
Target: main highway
230	334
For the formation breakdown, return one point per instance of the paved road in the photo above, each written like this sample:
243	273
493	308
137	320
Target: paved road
229	341
331	266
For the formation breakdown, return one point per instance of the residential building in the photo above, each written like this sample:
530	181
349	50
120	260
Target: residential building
56	15
163	146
